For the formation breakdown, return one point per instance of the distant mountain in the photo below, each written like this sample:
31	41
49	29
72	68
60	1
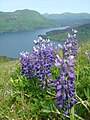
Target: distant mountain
69	18
23	20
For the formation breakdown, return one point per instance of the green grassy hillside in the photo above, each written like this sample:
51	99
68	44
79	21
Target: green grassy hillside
4	59
17	104
23	20
21	98
83	33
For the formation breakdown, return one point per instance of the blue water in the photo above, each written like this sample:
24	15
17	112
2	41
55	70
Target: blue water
12	43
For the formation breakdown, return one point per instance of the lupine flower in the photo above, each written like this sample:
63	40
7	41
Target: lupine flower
75	31
45	58
87	54
70	47
65	88
35	41
38	64
58	61
70	61
64	83
27	64
60	46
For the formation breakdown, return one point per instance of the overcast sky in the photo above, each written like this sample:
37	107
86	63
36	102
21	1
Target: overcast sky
46	6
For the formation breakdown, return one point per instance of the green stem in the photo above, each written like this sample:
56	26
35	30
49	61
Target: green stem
72	113
82	102
50	94
79	117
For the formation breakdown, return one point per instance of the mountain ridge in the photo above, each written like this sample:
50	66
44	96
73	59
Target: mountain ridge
70	19
23	20
68	15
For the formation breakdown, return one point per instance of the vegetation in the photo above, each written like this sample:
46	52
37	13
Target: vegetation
5	59
22	99
23	20
70	19
83	33
30	19
68	16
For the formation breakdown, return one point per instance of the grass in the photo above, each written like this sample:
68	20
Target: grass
5	89
20	100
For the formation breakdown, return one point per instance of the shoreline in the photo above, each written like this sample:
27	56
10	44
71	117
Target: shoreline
27	30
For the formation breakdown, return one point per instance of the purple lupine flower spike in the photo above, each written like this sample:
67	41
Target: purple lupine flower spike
39	62
65	94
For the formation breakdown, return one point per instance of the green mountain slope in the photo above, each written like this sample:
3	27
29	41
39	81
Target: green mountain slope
83	34
67	16
72	19
23	20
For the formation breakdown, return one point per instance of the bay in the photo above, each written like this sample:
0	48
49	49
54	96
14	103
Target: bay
12	43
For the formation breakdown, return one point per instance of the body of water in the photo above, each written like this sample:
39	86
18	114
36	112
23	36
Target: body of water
12	43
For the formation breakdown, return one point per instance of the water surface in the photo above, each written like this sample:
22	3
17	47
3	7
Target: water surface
12	43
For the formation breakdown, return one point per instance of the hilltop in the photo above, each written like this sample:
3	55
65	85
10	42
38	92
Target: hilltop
31	19
23	20
69	18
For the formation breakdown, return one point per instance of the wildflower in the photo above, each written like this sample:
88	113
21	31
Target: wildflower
70	61
60	46
70	46
39	62
87	54
64	84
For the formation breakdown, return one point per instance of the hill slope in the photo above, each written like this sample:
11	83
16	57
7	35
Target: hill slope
20	98
83	34
69	18
23	20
